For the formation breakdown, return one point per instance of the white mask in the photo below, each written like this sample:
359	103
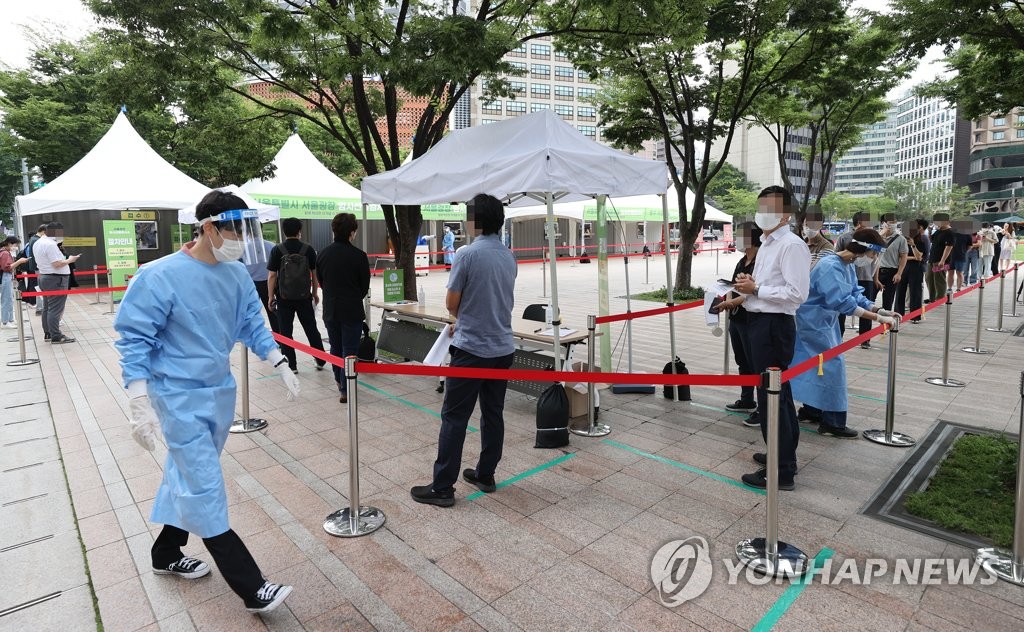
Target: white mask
767	221
810	232
230	250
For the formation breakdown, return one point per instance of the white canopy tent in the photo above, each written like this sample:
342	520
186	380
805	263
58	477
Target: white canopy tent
299	173
120	172
523	160
268	212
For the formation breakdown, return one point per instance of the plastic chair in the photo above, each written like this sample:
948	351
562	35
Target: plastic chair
536	311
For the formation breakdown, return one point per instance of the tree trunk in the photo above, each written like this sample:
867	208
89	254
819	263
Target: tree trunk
409	219
684	277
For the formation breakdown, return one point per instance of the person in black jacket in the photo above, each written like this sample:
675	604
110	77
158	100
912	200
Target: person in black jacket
343	271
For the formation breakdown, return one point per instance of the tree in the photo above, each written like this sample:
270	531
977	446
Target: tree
728	179
836	205
688	73
344	67
738	202
913	198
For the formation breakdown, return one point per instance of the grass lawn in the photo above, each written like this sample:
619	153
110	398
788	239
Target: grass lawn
661	295
973	489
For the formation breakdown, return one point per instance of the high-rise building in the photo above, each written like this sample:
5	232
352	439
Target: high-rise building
996	175
933	142
862	169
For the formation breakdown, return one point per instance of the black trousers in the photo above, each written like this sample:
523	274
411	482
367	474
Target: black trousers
870	292
741	351
772	340
890	287
460	396
233	559
286	313
261	289
912	282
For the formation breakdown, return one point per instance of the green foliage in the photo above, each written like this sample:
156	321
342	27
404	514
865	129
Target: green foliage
727	179
973	489
738	202
913	199
836	205
678	296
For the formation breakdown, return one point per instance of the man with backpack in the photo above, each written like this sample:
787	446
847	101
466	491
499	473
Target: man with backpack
33	268
293	286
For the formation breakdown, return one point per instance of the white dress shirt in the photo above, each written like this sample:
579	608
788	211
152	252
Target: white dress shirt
782	274
46	253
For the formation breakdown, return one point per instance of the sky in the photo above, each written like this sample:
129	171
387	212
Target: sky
71	19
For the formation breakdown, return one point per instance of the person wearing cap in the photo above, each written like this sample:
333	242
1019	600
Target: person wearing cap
943	240
864	267
54	275
893	261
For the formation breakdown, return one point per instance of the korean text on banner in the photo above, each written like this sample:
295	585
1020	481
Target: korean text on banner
119	248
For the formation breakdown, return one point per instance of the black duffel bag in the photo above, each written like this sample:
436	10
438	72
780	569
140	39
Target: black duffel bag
552	418
684	389
367	346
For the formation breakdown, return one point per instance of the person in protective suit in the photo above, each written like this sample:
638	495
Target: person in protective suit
178	322
834	293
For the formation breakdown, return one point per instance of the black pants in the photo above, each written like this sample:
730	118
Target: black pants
889	285
772	339
870	291
741	351
913	278
460	395
261	289
233	560
286	313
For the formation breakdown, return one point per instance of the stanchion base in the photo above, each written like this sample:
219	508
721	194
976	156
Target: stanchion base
369	520
1011	315
599	430
976	350
938	381
25	362
17	339
1000	563
895	439
790	562
248	425
998	330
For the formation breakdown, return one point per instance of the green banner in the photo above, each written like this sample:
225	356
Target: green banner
326	208
624	213
119	248
394	286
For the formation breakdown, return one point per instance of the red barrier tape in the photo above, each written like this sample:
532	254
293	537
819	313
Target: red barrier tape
85	290
83	273
649	312
812	362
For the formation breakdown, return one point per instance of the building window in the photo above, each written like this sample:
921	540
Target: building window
519	51
564	73
537	107
540	90
518	87
999	122
515	108
518	65
979	137
998	135
540	71
1020	133
565	111
585	113
563	93
540	50
583	75
588	130
490	107
488	121
586	93
560	56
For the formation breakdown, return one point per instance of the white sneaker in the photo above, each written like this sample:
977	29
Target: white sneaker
268	597
186	567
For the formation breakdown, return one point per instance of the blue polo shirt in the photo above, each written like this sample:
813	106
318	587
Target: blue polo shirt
485	274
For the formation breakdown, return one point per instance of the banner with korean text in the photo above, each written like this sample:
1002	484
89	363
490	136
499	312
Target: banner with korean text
119	248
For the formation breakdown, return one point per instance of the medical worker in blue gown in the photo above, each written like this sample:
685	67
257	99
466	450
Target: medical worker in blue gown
834	293
178	322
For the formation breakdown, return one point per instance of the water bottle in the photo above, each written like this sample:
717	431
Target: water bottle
421	297
547	314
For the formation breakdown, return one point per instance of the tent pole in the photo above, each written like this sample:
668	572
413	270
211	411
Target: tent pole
363	231
668	288
556	320
601	235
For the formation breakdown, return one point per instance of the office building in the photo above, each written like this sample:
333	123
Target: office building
932	142
996	173
861	170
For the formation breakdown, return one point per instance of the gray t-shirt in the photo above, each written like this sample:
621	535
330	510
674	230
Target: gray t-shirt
896	247
484	272
865	268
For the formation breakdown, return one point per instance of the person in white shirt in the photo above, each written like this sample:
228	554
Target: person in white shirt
779	285
987	249
54	274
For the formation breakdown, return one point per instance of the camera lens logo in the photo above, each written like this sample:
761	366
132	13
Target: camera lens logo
681	570
393	277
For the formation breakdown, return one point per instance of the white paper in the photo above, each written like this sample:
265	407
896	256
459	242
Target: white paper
437	353
709	297
562	331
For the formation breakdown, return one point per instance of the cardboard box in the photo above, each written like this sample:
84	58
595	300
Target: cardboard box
577	402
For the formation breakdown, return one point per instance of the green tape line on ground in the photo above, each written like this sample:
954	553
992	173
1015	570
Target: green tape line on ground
683	466
874	399
721	410
519	477
782	604
408	403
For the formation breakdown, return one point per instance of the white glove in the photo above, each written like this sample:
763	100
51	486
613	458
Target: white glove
887	320
890	313
277	359
144	423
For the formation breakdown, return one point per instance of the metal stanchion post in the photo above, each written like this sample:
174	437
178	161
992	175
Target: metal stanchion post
19	305
110	284
717	250
1002	296
22	361
725	327
544	272
767	555
1009	565
887	436
593	428
356	519
246	423
977	327
1013	303
944	380
646	389
647	270
96	283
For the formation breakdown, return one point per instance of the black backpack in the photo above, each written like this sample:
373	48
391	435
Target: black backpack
552	418
684	389
367	346
293	280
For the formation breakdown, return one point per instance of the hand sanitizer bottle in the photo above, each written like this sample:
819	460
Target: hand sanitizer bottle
421	297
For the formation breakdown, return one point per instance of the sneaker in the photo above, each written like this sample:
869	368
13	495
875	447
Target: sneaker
752	421
483	483
295	370
757	480
268	597
761	458
343	399
865	345
46	337
741	406
440	387
186	567
806	417
320	364
62	340
426	495
837	432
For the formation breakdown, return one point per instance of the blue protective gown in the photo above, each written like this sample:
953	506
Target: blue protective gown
448	245
834	290
178	322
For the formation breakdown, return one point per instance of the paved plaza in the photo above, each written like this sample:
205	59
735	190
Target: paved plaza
566	546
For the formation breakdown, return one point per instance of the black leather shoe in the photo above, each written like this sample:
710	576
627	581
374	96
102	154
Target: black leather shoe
424	494
752	421
484	483
836	431
758	480
741	406
806	417
761	459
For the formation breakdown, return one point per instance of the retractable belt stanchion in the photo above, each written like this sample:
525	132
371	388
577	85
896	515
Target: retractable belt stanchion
246	423
888	436
593	428
977	326
19	305
544	273
356	519
96	282
767	555
1002	296
725	328
22	361
1013	303
1009	565
944	380
110	283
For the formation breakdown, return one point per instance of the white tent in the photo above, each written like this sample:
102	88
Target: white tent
120	172
530	158
648	207
298	173
268	212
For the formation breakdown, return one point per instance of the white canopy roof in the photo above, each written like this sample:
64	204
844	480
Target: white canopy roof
566	210
120	172
641	207
300	174
268	212
537	153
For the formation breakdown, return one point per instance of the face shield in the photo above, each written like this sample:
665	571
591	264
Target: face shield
241	236
874	250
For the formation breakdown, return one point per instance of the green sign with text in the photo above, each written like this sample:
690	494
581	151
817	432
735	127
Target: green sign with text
394	286
119	248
